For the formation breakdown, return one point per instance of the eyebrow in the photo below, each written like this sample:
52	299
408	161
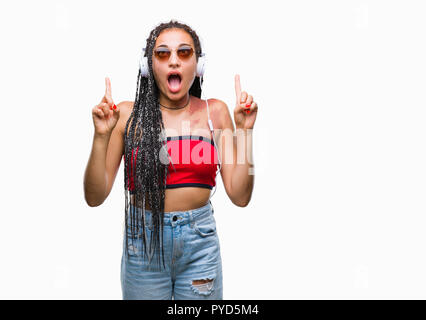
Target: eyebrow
164	45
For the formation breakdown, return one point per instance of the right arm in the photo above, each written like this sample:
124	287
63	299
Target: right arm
95	175
107	149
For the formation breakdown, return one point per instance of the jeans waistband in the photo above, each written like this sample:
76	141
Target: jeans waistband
173	218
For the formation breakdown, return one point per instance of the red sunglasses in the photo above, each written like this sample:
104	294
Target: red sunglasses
164	54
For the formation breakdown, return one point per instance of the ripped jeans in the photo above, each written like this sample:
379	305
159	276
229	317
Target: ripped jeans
191	254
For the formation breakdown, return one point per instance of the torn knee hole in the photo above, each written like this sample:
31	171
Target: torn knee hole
195	282
203	286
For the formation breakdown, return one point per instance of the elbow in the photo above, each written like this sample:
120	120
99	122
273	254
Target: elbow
241	194
93	201
92	204
95	192
241	202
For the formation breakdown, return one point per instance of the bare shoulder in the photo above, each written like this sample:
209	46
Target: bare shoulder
217	104
219	111
126	108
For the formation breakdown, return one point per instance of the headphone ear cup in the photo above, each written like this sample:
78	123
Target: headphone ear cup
201	65
143	64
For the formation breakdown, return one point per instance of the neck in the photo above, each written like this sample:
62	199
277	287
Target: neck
174	104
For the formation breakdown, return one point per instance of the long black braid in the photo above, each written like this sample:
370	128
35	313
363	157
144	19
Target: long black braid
149	174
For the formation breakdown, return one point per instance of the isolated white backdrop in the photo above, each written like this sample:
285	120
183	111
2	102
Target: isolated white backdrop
338	208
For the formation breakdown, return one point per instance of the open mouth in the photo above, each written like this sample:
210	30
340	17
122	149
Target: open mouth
175	82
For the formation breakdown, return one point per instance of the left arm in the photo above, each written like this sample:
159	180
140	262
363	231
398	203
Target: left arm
236	147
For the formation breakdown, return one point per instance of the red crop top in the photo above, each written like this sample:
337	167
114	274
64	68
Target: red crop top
193	161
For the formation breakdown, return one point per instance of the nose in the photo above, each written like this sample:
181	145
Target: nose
174	59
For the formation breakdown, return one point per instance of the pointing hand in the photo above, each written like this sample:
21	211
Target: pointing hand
106	113
245	111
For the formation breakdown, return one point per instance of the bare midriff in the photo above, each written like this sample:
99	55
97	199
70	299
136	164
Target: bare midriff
182	199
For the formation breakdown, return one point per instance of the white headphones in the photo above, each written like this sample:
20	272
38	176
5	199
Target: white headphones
143	63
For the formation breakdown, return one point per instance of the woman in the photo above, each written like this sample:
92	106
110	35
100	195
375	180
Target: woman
171	248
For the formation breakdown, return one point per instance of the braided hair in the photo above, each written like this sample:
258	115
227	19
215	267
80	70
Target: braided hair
147	169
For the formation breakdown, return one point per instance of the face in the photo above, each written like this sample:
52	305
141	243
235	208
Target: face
174	88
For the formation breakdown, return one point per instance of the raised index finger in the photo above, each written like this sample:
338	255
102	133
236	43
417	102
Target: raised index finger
107	87
237	87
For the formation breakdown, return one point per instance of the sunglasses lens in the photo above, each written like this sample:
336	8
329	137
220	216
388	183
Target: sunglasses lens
162	54
185	53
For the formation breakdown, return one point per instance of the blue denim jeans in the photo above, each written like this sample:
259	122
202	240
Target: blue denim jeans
191	252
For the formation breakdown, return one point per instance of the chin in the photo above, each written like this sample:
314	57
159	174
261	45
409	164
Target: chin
178	95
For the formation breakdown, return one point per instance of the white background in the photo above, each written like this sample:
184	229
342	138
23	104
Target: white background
338	208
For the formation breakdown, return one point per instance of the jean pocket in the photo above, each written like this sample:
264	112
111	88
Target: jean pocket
138	228
135	240
206	227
